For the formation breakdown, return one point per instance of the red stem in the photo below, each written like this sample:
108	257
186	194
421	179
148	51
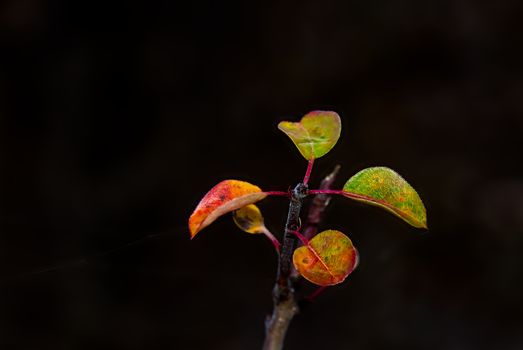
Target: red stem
315	294
319	204
350	195
302	238
277	193
273	239
308	172
327	192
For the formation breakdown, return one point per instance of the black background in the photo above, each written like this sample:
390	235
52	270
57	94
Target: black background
116	117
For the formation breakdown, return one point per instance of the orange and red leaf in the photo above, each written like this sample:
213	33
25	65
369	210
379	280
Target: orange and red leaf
225	197
327	259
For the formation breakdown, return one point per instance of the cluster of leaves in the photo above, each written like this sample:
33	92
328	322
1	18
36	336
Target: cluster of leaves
328	257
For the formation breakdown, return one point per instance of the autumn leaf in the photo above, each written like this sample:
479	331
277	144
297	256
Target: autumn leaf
327	259
383	187
315	134
225	197
249	219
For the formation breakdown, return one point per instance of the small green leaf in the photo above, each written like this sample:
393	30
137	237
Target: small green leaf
249	219
385	188
315	134
327	259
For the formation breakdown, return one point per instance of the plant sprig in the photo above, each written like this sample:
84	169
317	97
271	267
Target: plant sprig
324	258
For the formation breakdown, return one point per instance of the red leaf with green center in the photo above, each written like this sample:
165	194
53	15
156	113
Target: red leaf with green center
327	259
225	197
383	187
315	134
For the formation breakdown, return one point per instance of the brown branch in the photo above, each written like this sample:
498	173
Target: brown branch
285	304
276	326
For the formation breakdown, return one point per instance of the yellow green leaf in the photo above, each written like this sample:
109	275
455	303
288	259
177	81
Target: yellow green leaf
225	197
327	259
385	188
249	219
315	134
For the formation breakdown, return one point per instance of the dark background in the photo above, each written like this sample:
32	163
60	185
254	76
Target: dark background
116	118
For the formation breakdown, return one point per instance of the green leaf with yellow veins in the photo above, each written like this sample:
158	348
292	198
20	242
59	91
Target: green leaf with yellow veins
383	187
327	259
315	134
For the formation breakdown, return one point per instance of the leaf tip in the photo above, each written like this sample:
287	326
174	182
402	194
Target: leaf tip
421	220
193	226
